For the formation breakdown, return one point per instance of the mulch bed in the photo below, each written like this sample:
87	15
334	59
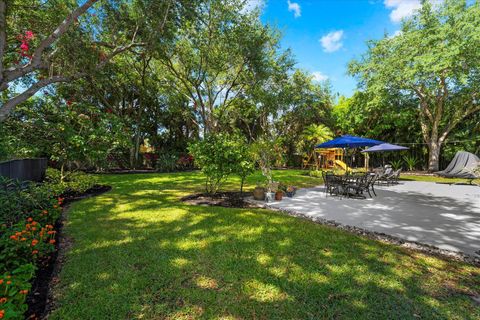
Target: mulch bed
221	199
39	296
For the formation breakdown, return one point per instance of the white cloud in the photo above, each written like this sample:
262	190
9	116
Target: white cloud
251	5
406	8
318	76
396	33
332	41
402	8
295	8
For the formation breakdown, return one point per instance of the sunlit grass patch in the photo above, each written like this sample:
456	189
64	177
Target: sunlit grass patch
264	292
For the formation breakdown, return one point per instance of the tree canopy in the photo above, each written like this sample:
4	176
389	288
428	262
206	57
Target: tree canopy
134	83
48	42
435	61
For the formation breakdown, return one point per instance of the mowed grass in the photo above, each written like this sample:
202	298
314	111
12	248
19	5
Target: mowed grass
140	253
436	179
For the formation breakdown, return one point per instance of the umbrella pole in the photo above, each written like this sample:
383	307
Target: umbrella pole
367	158
350	161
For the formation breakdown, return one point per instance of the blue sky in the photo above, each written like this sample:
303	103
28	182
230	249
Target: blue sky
325	35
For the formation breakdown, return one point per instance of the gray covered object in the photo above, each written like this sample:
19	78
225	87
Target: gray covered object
462	166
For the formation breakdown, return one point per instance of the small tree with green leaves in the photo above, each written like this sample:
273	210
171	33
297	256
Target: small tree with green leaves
264	154
246	163
219	156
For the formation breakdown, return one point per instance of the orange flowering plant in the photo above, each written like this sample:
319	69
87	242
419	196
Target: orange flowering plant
14	288
22	246
26	242
28	215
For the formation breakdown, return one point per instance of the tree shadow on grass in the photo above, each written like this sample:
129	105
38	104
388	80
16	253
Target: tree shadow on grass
141	254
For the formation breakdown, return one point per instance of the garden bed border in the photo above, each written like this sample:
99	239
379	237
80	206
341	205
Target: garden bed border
40	309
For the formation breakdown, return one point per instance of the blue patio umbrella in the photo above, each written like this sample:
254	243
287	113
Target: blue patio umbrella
347	141
385	147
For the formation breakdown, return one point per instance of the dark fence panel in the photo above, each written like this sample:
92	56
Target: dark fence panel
24	169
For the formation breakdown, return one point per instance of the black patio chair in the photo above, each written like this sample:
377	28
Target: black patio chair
333	184
361	185
327	181
373	181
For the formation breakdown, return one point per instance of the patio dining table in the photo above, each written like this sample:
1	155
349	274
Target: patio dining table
342	185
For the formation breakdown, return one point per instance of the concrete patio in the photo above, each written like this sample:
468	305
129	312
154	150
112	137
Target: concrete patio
442	215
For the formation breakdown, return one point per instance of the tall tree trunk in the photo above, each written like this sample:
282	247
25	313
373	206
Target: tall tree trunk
62	172
137	149
434	155
132	155
432	115
429	123
241	184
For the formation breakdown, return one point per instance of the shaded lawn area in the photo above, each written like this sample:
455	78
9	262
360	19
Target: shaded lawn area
139	253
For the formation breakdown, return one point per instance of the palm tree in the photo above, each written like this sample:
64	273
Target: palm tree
313	135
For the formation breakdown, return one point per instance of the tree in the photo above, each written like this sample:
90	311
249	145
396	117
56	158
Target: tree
219	156
315	134
264	154
50	42
219	58
307	103
245	164
130	89
389	117
133	88
435	60
75	135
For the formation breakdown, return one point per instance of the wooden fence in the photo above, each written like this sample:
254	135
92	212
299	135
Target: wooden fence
24	169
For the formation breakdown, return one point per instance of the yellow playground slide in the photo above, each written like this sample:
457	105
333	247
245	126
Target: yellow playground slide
342	165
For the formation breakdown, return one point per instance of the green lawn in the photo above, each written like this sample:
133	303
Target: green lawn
139	253
436	179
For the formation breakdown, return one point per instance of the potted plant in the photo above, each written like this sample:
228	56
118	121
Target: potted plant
290	191
279	195
280	190
272	189
259	192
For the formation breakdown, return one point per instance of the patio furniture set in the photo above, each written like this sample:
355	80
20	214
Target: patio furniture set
357	185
